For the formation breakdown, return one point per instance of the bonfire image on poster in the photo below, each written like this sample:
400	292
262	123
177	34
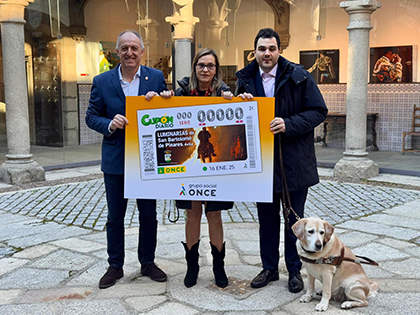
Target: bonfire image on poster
206	144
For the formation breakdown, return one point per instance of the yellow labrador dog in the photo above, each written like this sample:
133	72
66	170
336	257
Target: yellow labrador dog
331	262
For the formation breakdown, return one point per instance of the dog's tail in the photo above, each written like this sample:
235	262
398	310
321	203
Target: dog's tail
374	288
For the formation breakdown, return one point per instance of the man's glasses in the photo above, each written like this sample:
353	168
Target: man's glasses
201	66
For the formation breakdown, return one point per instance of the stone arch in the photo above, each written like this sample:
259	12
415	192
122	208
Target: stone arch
281	11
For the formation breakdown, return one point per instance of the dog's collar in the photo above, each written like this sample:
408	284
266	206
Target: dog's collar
309	251
330	260
337	260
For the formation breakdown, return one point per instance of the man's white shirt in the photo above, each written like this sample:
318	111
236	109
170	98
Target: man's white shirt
269	81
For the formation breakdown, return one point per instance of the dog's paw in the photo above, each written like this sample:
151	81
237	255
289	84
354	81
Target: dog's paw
306	298
347	304
321	307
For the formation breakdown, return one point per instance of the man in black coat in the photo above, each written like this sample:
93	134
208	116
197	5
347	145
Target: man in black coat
299	108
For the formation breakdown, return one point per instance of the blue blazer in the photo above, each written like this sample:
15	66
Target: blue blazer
106	100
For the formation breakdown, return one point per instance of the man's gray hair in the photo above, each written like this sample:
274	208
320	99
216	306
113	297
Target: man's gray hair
129	31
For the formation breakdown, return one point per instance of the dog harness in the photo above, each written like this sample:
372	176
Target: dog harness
337	260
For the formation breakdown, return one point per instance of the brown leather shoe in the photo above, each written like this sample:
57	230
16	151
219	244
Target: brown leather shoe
264	277
153	272
110	277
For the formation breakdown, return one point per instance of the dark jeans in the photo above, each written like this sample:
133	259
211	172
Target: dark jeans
269	216
117	206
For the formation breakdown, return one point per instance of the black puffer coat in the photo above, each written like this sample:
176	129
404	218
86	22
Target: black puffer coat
300	103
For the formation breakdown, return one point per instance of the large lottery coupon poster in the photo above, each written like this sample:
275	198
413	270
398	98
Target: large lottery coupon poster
199	148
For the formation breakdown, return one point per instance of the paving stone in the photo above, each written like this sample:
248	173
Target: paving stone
30	278
173	308
55	294
8	296
207	296
9	264
101	307
248	247
172	236
396	243
136	288
398	285
409	268
64	259
252	260
379	252
78	245
35	252
298	308
393	220
52	234
406	210
385	303
243	234
90	276
6	251
381	229
170	251
20	309
413	251
144	303
353	239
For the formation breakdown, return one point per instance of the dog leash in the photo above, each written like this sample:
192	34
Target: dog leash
287	205
176	212
337	260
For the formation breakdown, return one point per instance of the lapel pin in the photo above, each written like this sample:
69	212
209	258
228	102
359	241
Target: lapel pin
146	78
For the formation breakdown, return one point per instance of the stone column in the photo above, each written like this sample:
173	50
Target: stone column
355	164
19	166
183	22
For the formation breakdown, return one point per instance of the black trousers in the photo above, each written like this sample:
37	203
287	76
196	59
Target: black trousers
269	216
117	206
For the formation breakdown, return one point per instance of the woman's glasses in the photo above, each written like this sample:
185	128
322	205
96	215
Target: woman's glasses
201	66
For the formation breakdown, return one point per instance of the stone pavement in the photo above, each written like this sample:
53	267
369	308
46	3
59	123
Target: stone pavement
53	252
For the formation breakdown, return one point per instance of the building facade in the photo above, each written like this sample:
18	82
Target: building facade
68	42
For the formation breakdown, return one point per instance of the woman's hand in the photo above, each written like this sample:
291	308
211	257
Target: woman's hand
247	96
227	95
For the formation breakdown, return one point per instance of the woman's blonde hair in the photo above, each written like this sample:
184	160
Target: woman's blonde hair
216	83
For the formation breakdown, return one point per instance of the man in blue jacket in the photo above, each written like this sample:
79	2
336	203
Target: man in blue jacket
299	108
106	114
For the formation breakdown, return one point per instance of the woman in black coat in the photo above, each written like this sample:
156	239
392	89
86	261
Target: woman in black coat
205	80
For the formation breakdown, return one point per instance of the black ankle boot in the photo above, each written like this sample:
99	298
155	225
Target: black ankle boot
218	266
191	256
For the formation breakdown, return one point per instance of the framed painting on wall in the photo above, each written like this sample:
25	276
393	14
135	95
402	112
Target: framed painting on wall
391	64
229	77
323	65
110	53
248	57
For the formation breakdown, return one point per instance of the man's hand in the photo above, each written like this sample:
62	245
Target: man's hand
118	122
277	125
150	95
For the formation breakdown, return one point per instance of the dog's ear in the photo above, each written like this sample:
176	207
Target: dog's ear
299	228
329	230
